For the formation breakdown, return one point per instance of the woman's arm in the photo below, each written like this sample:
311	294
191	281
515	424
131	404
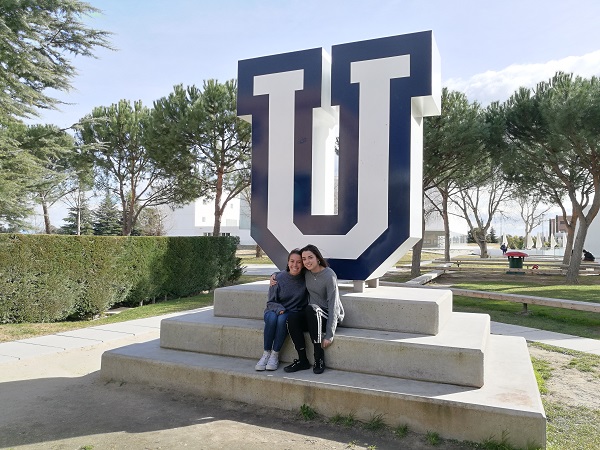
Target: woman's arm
333	299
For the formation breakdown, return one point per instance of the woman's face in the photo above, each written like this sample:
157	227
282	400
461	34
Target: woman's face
309	260
295	264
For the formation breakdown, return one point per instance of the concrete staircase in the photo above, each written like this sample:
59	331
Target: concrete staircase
401	353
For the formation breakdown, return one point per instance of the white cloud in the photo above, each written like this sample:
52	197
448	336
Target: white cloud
500	85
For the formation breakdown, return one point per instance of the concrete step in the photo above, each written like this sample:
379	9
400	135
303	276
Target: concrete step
508	402
455	355
407	310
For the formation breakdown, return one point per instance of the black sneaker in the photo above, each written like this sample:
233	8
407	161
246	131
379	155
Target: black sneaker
319	366
297	365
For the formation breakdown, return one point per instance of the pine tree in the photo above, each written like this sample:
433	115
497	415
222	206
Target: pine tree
79	219
39	41
107	218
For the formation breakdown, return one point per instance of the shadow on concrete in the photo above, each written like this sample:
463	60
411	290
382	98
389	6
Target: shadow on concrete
88	411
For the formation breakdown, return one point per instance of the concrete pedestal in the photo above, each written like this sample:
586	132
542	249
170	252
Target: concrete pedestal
401	353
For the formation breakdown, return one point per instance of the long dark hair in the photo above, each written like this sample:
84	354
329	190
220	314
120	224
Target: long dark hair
316	252
296	251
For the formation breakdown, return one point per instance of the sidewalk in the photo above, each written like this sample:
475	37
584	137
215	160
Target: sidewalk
84	337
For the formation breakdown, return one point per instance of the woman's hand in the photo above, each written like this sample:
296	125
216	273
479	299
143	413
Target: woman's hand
326	343
272	281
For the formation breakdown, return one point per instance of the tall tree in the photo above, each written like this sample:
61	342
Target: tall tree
453	145
39	40
107	217
557	129
151	222
531	210
203	128
58	171
116	140
79	219
523	170
481	201
17	170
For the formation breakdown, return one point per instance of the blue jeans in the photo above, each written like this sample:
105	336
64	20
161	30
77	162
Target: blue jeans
275	330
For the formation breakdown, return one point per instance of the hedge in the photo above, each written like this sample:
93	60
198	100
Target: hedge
46	278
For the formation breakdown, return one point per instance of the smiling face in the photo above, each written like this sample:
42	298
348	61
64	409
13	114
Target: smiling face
295	264
311	262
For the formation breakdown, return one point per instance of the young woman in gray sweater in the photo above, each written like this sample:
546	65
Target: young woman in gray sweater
321	315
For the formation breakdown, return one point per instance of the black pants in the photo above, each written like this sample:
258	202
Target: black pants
301	321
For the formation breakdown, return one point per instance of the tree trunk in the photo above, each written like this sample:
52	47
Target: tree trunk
79	220
218	210
415	268
575	264
47	226
446	227
481	242
570	224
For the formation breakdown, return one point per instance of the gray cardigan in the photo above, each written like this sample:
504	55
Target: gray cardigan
289	294
323	291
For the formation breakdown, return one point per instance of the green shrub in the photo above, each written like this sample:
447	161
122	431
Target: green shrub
45	278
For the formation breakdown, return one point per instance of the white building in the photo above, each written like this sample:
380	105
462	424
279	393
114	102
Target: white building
198	218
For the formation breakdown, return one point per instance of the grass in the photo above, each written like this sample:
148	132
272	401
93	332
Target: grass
16	331
568	426
375	423
577	323
584	362
307	412
432	438
253	260
542	372
401	431
571	427
561	320
348	420
588	289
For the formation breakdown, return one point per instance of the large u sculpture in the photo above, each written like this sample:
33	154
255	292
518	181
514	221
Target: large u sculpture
376	94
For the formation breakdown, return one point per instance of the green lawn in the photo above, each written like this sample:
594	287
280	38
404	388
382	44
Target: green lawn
15	331
578	323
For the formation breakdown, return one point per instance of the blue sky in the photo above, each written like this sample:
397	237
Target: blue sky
488	48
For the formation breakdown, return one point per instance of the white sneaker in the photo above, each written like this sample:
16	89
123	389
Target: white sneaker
262	362
273	362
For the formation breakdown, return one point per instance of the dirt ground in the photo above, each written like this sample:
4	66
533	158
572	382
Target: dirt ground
568	385
60	402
